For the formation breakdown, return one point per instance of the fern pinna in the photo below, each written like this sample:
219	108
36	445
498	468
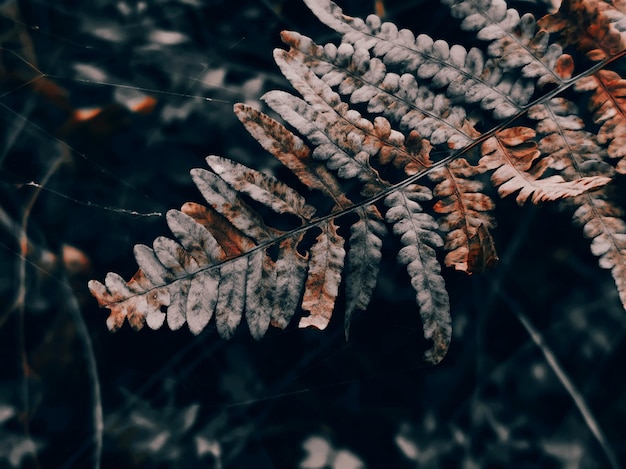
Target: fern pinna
400	134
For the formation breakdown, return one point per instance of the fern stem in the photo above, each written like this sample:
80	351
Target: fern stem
568	384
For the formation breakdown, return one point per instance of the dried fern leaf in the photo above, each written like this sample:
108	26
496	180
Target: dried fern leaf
197	242
521	152
291	274
269	191
398	97
365	243
291	151
324	127
577	153
219	269
515	157
597	28
482	251
430	114
418	234
224	200
363	261
515	42
603	223
608	105
427	99
229	239
466	209
574	152
231	296
260	285
377	139
322	285
202	295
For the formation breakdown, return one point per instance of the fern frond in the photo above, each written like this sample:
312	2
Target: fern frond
221	266
337	140
597	28
439	118
292	152
515	42
268	191
379	139
574	152
366	80
224	200
418	233
603	223
577	153
291	271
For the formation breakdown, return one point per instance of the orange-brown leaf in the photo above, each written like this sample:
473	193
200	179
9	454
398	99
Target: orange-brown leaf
322	284
465	210
590	26
608	105
519	168
232	241
482	253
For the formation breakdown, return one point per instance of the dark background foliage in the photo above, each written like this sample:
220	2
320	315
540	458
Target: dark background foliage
298	398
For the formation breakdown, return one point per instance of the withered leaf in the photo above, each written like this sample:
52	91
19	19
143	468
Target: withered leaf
387	121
